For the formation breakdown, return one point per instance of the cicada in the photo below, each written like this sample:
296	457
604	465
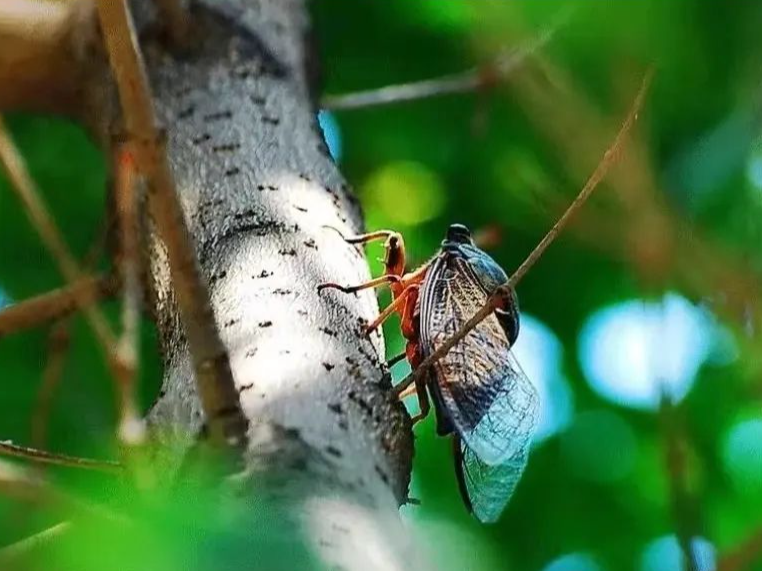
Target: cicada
481	396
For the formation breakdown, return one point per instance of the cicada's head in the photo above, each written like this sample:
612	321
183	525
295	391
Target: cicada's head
458	234
394	255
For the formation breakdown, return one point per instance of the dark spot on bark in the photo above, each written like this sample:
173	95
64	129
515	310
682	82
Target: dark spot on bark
270	120
343	424
287	252
335	407
231	323
226	148
162	392
281	291
300	208
382	475
328	331
260	187
246	387
265	323
227	114
263	274
304	177
329	367
232	172
271	187
257	99
251	352
292	433
302	312
187	112
202	139
216	277
361	402
311	244
351	361
285	352
333	451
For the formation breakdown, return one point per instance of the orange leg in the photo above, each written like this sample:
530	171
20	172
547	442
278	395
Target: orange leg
371	236
378	282
409	325
391	308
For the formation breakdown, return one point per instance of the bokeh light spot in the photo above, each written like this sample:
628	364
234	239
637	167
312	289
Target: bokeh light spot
742	456
331	133
539	351
664	554
630	351
405	192
599	447
573	562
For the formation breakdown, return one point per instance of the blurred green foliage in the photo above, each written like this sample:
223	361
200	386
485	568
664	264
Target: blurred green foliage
485	159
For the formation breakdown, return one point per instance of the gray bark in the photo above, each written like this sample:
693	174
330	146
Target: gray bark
259	189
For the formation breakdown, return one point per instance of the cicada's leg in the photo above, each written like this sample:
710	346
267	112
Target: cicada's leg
371	236
408	325
378	282
395	305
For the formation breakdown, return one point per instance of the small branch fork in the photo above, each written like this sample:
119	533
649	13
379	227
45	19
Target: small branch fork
494	301
227	424
485	76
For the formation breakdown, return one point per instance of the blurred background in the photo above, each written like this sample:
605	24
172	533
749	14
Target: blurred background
640	326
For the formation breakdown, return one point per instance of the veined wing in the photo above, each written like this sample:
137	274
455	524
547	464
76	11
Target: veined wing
487	397
487	489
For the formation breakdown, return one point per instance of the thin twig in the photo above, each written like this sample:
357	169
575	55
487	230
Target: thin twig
484	76
12	555
56	304
226	422
683	507
44	457
58	346
494	300
131	427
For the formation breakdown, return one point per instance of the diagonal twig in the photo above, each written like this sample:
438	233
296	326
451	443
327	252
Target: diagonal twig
484	76
131	426
56	304
227	424
45	457
494	300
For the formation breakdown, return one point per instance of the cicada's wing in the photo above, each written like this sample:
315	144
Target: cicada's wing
487	489
486	396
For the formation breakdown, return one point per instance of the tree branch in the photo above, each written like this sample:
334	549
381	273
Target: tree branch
56	304
608	160
226	422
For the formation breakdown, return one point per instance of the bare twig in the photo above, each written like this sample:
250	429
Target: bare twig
683	507
44	457
131	426
226	422
56	304
58	345
484	76
494	300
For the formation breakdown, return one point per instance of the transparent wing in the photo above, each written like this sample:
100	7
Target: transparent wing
488	398
487	489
